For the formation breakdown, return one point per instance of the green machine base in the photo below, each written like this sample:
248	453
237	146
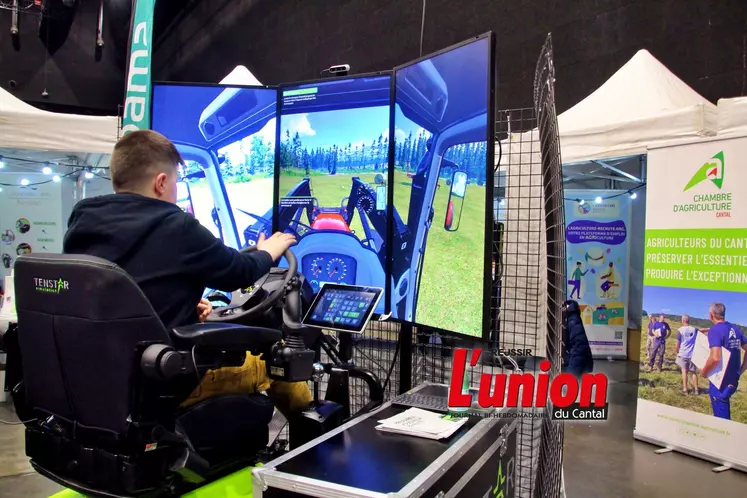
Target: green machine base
236	485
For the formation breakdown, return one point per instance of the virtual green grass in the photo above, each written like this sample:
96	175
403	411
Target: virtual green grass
666	386
451	290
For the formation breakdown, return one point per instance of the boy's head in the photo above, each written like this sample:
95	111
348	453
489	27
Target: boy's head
685	320
578	264
145	162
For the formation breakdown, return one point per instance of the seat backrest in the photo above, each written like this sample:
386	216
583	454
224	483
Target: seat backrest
81	321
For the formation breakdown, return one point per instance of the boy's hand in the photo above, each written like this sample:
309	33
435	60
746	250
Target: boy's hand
276	245
204	309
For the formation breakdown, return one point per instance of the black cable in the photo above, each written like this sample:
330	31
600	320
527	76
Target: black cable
394	362
500	156
49	163
66	175
357	348
422	29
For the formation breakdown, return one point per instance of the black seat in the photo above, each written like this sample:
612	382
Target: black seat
104	381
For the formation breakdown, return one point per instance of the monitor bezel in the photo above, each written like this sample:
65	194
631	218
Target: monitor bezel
489	187
369	313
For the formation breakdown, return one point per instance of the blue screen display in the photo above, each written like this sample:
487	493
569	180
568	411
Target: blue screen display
441	180
226	135
334	166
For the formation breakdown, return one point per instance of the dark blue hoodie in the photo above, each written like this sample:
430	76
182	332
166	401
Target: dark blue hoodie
169	254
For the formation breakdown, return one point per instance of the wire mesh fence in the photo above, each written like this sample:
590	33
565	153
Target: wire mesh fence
549	472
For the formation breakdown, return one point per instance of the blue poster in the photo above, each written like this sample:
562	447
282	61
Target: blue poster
597	252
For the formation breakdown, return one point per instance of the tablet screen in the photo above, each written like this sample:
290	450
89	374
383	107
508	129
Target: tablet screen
346	308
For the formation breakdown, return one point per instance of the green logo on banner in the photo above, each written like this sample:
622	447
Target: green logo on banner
137	99
712	170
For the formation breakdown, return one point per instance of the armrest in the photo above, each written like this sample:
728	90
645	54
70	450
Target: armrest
226	336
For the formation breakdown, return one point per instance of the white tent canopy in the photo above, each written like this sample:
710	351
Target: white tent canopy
240	76
732	116
25	127
642	104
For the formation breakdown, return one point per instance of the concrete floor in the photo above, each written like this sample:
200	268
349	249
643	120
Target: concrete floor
601	459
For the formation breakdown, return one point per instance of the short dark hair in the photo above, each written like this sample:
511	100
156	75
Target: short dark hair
141	154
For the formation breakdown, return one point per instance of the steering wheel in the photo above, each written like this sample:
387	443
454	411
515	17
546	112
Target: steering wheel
240	299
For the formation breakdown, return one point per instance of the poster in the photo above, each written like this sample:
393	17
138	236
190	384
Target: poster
597	248
695	269
31	219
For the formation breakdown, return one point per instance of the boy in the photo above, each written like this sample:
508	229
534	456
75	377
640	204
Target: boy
724	335
686	336
172	257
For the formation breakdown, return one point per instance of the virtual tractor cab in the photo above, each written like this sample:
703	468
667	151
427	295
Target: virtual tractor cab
202	131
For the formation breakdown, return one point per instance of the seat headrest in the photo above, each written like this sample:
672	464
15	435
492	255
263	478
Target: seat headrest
77	285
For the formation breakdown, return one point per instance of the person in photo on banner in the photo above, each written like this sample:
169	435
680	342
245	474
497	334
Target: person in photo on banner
650	337
575	280
686	336
576	350
726	335
661	333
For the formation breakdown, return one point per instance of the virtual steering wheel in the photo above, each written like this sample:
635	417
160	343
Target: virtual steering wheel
240	299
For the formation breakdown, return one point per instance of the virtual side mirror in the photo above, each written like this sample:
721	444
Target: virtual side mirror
184	197
456	201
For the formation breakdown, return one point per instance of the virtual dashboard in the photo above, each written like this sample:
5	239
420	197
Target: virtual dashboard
322	268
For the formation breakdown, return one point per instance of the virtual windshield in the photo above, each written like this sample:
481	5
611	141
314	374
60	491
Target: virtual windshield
334	163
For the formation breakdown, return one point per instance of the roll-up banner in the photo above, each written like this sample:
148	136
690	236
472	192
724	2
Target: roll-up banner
692	396
598	249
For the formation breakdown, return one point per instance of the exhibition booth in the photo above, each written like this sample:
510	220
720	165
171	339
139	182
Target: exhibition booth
385	181
604	142
42	156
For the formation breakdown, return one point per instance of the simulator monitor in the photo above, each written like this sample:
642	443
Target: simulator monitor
226	136
333	174
443	189
343	308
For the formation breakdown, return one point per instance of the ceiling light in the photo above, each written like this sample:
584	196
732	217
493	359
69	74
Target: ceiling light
633	195
24	181
598	200
88	175
581	202
47	170
56	178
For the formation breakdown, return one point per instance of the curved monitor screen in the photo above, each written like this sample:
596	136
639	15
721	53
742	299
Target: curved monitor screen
226	136
334	164
442	179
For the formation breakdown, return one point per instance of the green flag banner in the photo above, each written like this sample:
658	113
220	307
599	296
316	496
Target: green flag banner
137	98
